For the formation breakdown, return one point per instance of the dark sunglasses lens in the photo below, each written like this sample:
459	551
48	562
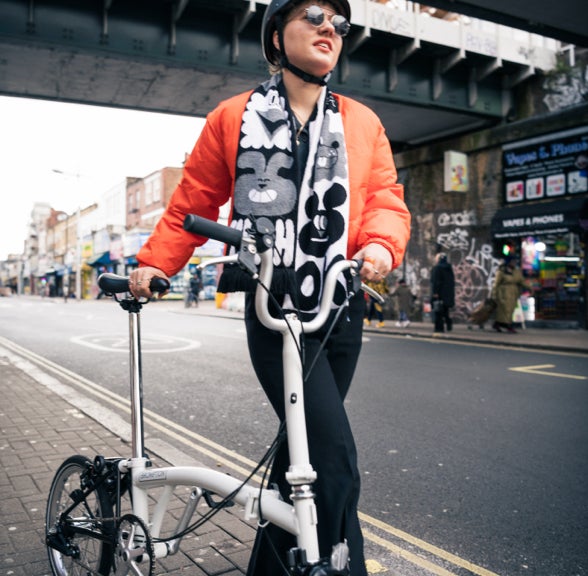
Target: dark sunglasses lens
315	15
341	25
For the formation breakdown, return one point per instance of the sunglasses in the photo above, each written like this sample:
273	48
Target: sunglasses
316	16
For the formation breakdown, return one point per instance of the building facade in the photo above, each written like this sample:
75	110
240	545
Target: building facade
519	190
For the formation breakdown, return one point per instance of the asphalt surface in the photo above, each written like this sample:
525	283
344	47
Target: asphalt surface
42	424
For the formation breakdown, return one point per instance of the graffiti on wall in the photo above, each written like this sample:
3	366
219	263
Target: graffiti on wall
566	89
471	256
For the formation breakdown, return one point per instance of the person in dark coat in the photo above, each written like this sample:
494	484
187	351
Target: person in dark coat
194	290
405	299
442	293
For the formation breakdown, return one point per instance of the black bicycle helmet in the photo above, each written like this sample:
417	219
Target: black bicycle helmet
272	21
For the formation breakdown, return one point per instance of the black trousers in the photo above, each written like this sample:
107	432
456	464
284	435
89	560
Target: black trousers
331	445
442	319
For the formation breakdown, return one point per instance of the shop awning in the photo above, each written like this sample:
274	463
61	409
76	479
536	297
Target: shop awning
99	259
553	217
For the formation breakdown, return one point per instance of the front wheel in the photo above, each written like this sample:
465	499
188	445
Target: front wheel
78	542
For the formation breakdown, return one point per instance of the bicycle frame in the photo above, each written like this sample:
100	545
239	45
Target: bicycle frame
299	518
144	477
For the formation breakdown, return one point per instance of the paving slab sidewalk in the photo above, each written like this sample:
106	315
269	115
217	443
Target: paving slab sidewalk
39	430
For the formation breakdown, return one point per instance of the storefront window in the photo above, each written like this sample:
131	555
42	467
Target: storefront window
553	268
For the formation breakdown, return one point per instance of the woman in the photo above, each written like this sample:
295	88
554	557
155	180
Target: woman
508	285
320	166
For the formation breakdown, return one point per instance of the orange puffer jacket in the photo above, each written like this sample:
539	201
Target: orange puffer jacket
377	210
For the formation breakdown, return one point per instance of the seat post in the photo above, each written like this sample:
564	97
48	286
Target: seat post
136	381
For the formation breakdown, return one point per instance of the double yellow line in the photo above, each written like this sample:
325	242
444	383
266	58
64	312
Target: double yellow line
242	465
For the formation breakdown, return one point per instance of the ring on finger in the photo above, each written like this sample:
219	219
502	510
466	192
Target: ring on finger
139	282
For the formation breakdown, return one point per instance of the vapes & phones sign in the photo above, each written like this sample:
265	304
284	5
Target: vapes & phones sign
550	166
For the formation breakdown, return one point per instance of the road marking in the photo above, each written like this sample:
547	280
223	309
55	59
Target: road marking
191	439
471	343
406	555
478	570
149	344
374	567
539	369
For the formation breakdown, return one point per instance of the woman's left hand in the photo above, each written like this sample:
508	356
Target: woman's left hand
377	262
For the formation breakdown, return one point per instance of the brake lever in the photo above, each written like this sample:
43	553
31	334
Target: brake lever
354	283
375	295
232	259
358	285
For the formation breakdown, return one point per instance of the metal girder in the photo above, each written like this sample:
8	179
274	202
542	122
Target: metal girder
443	65
185	56
397	57
565	20
240	20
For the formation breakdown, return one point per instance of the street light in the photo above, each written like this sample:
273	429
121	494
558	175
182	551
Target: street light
78	288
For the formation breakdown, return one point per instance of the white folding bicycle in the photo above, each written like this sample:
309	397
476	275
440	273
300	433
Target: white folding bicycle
86	532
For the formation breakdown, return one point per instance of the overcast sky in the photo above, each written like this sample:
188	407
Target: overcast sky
101	145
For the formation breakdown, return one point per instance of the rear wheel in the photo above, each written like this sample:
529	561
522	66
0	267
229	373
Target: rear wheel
72	553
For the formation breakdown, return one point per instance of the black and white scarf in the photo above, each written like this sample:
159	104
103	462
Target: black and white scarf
310	211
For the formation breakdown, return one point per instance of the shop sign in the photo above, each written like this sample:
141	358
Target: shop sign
552	166
556	217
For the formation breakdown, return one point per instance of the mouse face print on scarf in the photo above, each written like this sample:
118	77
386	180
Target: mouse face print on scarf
325	224
312	212
268	183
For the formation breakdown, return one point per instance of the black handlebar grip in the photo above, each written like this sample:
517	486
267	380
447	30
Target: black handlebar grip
114	284
209	229
158	284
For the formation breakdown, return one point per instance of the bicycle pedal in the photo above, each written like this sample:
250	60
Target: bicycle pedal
340	558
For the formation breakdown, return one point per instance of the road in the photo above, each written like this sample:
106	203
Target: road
469	458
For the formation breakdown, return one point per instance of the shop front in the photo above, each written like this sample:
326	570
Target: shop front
549	240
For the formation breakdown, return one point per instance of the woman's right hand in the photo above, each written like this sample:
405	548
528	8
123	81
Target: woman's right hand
140	278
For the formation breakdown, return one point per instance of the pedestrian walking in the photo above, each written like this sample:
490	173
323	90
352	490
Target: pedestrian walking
194	288
404	301
319	165
507	288
442	293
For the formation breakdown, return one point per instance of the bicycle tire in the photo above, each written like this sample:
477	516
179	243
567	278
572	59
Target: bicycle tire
94	554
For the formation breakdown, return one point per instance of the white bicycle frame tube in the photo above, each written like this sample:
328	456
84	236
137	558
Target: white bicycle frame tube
275	510
300	472
299	519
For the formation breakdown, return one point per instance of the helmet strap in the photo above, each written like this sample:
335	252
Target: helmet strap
321	81
285	63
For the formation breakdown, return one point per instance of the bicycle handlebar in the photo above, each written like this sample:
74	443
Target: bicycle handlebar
209	229
114	284
257	240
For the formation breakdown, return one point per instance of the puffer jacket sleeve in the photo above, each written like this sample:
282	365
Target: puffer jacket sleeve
378	213
206	184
